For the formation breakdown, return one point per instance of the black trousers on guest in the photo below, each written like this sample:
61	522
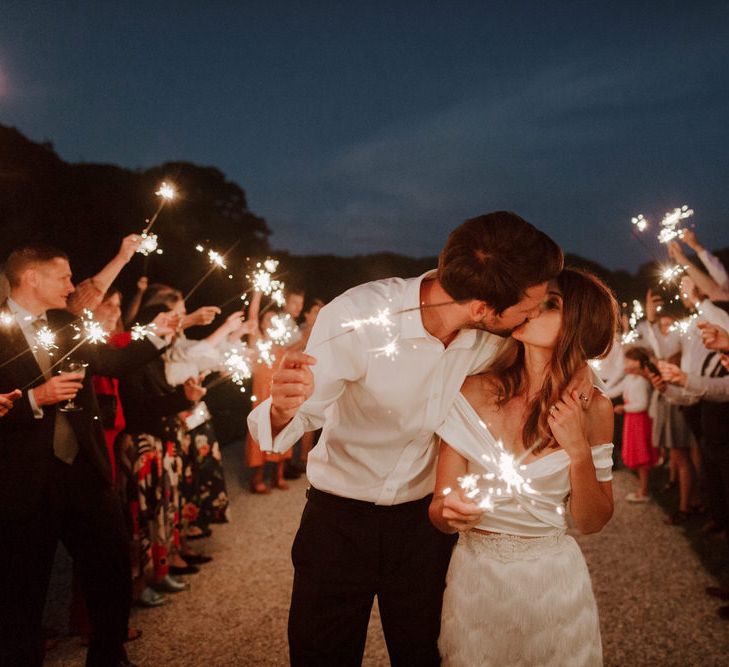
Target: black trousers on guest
345	553
715	472
83	512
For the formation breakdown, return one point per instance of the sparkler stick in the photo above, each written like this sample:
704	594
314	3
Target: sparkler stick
216	261
166	193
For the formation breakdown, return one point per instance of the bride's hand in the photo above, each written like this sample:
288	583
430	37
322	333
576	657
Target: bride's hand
567	421
460	513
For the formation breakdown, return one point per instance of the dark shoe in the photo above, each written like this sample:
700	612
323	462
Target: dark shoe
717	592
196	559
199	536
677	518
723	612
188	569
711	527
290	472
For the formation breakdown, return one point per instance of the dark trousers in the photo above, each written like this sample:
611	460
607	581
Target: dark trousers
85	514
346	552
715	473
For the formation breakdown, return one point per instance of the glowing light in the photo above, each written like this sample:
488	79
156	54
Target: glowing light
46	339
670	273
166	191
149	245
670	223
390	350
265	355
238	367
90	329
282	329
140	331
6	319
640	223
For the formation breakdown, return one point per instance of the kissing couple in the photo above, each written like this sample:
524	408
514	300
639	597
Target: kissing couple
477	373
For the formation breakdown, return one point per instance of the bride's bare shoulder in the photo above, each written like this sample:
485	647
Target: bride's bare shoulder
601	419
479	389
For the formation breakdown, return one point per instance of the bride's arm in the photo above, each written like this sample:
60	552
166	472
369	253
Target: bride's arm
449	512
591	501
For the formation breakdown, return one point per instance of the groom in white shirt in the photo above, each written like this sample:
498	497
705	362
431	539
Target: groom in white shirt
379	391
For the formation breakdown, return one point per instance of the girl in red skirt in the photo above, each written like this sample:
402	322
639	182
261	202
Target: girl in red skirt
638	450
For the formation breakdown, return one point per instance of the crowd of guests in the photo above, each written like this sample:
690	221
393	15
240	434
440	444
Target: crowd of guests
118	460
670	384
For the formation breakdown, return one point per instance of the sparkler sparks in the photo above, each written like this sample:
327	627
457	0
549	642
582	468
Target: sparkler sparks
238	367
670	273
166	191
282	329
149	245
265	354
214	257
671	221
91	331
508	480
6	319
640	223
46	339
382	319
140	331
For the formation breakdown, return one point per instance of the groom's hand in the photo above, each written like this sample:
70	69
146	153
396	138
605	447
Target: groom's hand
292	384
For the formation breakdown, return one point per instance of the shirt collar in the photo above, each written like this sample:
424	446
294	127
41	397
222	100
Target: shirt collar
23	317
411	321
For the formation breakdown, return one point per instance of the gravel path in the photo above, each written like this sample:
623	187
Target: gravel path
648	583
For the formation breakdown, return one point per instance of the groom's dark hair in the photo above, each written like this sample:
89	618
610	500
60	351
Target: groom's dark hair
495	258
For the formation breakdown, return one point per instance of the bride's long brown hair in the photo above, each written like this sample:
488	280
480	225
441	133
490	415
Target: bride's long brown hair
589	321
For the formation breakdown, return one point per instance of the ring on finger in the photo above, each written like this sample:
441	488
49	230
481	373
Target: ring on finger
583	397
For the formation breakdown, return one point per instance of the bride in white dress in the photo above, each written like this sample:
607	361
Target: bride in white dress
518	591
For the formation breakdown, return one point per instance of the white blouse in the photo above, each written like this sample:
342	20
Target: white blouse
522	499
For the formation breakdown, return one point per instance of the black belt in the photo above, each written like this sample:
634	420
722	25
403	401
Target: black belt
317	496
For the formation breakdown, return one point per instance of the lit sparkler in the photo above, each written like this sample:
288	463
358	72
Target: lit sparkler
149	245
636	315
640	223
282	329
6	319
90	330
217	261
486	488
166	193
670	224
46	339
238	368
265	353
140	331
670	273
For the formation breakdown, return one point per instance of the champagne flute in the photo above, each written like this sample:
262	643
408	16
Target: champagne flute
68	367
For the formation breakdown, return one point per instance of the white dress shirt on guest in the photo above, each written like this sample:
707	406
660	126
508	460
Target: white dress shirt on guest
379	412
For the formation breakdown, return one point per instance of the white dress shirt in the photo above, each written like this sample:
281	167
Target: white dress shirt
379	413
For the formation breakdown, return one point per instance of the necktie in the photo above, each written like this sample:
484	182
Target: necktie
65	444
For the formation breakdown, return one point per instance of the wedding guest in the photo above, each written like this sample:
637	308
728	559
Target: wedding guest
638	450
365	529
715	284
151	406
55	474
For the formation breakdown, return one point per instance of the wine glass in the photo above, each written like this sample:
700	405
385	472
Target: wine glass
69	366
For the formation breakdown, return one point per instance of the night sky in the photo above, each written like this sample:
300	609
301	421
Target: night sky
360	127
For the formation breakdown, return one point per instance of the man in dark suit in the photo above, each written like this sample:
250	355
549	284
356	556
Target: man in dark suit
55	474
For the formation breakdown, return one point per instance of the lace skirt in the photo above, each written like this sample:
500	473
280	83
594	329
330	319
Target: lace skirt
513	601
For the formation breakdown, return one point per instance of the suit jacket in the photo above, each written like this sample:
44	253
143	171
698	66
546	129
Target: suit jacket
26	443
